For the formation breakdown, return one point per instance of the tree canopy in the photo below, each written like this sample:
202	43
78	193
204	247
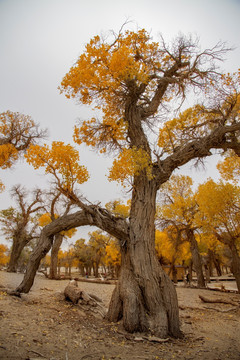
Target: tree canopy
17	133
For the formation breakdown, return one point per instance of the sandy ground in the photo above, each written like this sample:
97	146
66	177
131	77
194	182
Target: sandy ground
42	325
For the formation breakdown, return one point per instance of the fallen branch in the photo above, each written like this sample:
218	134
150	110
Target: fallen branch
37	353
151	339
219	310
218	300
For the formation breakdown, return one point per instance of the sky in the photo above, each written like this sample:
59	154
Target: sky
41	39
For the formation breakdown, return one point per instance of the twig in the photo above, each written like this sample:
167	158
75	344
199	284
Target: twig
91	356
37	353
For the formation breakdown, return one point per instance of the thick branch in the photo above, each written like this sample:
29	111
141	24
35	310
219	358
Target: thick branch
99	217
199	148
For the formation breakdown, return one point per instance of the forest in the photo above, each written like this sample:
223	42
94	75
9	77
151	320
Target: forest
138	87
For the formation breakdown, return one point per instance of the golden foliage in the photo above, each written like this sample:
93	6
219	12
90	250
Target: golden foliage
167	248
220	203
118	208
113	256
178	203
61	161
130	162
102	76
4	258
229	168
8	155
17	132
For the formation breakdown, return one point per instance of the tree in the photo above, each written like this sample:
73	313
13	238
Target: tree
68	260
17	133
178	208
113	257
19	224
172	248
82	254
97	243
4	258
131	80
220	204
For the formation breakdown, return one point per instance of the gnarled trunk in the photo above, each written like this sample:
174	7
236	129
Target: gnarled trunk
58	238
144	297
17	247
38	254
196	258
235	263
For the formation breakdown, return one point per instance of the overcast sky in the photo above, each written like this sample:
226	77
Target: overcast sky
41	39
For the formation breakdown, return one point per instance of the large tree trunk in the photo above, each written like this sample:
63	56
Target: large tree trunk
17	247
215	259
235	263
144	297
58	238
38	254
196	258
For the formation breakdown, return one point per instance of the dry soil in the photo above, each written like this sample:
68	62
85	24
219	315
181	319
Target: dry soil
42	325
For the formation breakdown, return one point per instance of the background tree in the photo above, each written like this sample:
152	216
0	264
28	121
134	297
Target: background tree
19	224
172	249
97	243
213	250
178	209
220	204
113	257
133	80
4	258
83	254
17	133
68	261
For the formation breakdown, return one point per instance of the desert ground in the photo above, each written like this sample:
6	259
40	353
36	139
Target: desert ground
43	325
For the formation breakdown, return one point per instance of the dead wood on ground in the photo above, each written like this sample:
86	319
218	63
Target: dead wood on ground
218	300
86	301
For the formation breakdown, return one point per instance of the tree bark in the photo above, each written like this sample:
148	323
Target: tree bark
235	263
17	247
215	259
38	254
58	238
196	258
144	297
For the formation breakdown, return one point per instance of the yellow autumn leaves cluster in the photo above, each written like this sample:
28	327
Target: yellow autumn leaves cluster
17	132
129	163
102	76
59	160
